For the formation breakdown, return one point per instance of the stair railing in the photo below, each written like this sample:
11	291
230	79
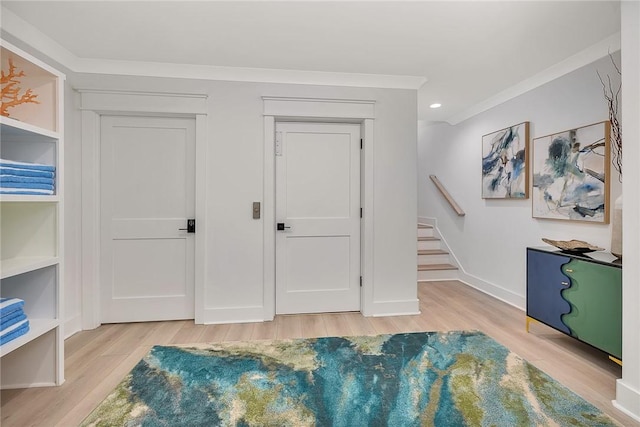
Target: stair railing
447	196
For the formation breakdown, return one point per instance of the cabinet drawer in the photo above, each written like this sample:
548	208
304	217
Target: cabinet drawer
595	296
545	282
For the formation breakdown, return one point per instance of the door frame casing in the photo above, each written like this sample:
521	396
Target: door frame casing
362	112
94	104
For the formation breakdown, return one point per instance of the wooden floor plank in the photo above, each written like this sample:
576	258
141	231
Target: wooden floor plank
214	333
188	333
164	332
96	361
239	332
289	327
338	324
264	331
131	337
313	326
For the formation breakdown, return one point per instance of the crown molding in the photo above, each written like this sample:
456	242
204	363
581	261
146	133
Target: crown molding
33	37
587	56
242	74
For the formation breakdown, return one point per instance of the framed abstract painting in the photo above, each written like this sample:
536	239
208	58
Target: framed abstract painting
505	170
571	174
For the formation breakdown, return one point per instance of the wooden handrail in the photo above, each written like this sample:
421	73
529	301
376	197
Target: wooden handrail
446	195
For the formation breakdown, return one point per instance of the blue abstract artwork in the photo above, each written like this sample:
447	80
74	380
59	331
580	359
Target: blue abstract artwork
570	174
504	163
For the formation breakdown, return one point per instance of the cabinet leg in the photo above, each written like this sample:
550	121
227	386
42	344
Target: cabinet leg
529	320
616	360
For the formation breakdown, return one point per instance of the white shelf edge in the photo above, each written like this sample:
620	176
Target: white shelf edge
37	328
14	266
24	126
30	58
29	198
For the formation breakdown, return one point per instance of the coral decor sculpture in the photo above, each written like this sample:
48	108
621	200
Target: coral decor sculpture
10	84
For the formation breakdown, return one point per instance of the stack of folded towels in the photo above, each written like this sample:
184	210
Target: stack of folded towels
13	321
26	178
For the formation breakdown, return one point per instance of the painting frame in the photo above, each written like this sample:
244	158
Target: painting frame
571	174
505	163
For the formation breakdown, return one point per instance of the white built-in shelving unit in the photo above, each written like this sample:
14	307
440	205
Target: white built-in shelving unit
31	228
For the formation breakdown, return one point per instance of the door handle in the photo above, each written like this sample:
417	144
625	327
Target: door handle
282	227
191	226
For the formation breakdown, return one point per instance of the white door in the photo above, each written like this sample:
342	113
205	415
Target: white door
147	179
318	205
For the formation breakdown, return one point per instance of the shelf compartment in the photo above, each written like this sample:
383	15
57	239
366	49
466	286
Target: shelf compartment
42	80
28	230
22	146
34	361
38	290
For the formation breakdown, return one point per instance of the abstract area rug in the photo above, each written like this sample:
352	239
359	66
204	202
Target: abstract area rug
429	379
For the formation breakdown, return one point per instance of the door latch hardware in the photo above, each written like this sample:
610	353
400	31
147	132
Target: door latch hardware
191	226
282	227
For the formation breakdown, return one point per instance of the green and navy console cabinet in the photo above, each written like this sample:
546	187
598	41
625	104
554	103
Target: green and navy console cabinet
578	295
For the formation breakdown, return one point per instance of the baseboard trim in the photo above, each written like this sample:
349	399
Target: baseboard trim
394	308
504	295
72	326
498	292
215	316
627	400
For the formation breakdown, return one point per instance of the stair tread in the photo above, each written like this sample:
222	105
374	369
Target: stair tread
431	267
427	239
432	252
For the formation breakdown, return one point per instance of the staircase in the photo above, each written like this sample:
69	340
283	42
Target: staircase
434	261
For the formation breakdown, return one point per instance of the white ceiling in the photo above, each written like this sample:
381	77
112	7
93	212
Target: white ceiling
466	52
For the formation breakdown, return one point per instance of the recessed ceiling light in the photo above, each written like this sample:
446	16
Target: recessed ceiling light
436	105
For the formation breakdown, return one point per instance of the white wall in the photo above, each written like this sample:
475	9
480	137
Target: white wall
490	240
628	388
72	211
234	168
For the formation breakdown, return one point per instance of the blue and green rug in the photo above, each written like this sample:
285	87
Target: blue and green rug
413	379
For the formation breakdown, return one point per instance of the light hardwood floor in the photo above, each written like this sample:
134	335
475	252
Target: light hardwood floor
97	360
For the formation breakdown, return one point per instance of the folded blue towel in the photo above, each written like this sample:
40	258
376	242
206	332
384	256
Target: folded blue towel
7	179
10	305
12	319
25	172
30	186
25	165
14	332
25	191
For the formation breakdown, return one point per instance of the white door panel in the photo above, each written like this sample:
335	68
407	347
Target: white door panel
150	170
331	271
318	197
147	195
161	273
318	167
